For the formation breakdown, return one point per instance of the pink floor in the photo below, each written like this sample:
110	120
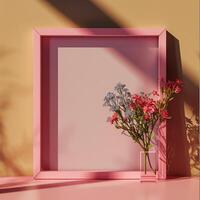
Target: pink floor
27	189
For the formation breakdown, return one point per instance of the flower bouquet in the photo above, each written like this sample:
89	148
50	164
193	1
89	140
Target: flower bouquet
138	114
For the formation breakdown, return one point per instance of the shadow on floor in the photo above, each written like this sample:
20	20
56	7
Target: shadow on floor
21	186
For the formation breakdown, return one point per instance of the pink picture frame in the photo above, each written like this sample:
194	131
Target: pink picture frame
39	93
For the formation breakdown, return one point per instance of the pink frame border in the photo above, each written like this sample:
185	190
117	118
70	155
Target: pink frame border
97	32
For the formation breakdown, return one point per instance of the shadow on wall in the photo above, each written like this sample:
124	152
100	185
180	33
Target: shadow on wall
178	161
9	86
84	13
7	163
192	130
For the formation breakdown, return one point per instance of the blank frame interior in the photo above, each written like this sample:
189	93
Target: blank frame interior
77	72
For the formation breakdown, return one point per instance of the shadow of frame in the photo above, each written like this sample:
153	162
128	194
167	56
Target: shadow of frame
178	141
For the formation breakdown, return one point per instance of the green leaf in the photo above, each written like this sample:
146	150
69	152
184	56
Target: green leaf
150	146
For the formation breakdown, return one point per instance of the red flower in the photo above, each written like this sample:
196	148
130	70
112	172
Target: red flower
179	82
170	84
164	114
136	97
177	89
146	117
155	93
149	109
178	86
132	105
175	86
149	106
139	100
114	118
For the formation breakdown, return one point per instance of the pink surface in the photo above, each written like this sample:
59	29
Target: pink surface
37	109
87	142
162	163
101	32
175	189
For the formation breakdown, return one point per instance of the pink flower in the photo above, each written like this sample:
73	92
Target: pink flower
164	114
175	86
179	82
149	109
137	98
177	89
155	93
145	109
114	118
149	106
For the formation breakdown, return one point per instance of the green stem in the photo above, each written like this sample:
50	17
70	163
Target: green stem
145	162
149	161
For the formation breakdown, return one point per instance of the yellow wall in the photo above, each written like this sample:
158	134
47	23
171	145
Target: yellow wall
19	18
